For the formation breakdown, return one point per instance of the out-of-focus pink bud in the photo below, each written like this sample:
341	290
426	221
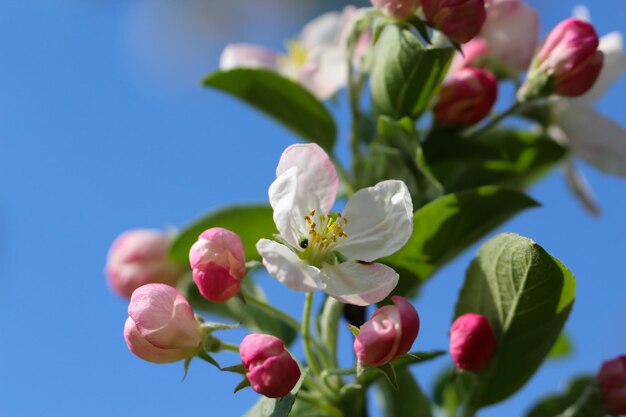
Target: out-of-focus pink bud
161	326
473	52
139	257
612	381
271	369
218	264
511	32
399	9
466	98
460	20
568	64
388	334
472	342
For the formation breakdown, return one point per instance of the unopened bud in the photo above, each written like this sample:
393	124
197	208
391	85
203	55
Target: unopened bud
270	368
568	64
161	326
459	20
218	264
472	342
139	257
612	382
466	98
388	334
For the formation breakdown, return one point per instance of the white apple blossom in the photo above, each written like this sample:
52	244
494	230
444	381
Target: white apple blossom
317	58
334	253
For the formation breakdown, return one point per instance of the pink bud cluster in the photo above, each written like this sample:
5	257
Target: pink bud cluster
612	382
270	368
139	257
466	98
472	342
388	334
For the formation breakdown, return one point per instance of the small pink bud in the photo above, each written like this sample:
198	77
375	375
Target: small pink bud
511	31
466	98
271	369
388	334
139	257
161	326
570	58
612	381
218	264
473	53
399	9
472	342
460	20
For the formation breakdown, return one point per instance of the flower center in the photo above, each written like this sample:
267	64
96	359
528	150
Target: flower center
324	231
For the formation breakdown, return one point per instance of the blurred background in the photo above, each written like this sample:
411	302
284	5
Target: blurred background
104	127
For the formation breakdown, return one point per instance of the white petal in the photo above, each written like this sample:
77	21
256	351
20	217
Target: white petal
596	138
614	66
323	30
357	283
325	73
581	12
287	216
380	221
317	179
248	56
579	186
284	265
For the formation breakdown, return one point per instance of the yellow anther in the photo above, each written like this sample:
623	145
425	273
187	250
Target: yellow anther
312	213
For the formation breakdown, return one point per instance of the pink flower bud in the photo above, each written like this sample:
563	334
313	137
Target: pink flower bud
388	334
472	342
161	326
271	369
460	20
466	98
139	257
400	9
218	264
612	381
570	57
511	32
473	53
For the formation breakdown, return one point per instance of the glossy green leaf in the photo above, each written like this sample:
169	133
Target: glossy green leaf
501	157
251	223
396	153
580	399
563	347
527	296
448	225
406	76
253	317
281	98
406	401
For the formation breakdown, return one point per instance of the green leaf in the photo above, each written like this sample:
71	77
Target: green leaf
527	296
281	98
580	399
253	317
445	227
406	76
251	223
396	153
501	157
563	347
371	375
274	407
245	383
406	401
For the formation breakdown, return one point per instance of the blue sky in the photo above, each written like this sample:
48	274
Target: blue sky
103	127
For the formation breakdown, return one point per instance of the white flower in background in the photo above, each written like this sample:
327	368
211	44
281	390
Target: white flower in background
590	135
334	253
317	58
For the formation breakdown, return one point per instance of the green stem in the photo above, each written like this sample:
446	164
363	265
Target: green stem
494	121
354	90
329	409
290	321
344	175
340	371
306	335
228	346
